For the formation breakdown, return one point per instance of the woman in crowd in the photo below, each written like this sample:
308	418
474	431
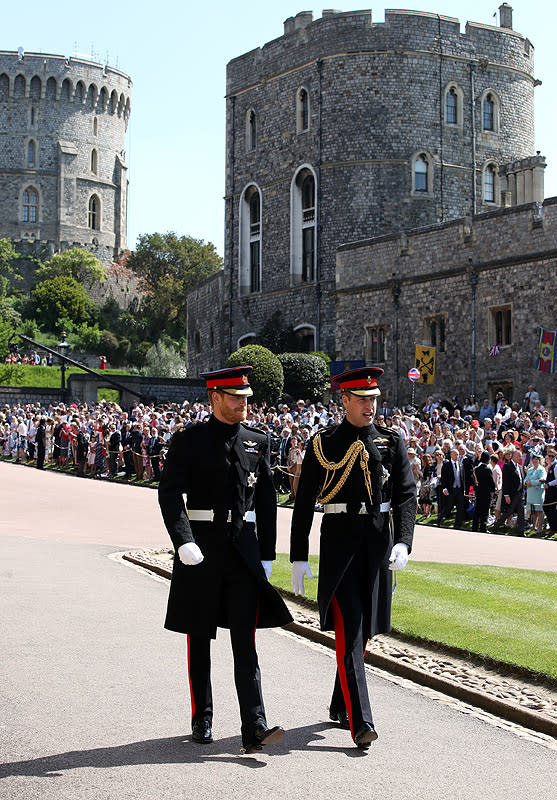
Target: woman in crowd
294	465
426	487
535	492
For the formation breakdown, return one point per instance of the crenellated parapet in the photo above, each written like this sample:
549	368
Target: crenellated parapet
39	77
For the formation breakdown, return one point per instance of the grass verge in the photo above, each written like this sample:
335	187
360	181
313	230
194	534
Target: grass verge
509	615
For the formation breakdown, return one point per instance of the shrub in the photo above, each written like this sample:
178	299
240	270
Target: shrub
266	378
306	376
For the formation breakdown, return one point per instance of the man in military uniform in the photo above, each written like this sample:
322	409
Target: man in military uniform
224	540
361	474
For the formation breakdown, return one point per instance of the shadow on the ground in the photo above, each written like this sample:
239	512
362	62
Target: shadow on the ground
177	750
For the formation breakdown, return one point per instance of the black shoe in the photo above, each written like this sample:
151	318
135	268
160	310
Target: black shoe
201	731
341	717
263	735
365	736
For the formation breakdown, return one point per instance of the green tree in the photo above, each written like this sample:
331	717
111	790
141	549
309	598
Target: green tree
277	336
305	376
7	256
266	378
76	263
169	267
163	360
61	296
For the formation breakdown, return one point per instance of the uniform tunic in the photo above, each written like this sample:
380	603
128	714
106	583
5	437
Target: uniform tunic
224	468
344	535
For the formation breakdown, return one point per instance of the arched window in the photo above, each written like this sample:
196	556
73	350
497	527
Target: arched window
94	162
421	173
250	241
451	107
490	174
30	205
302	110
305	338
488	113
94	216
247	338
31	154
303	226
251	130
95	126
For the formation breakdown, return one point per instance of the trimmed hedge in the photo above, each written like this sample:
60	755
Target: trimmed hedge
306	376
267	377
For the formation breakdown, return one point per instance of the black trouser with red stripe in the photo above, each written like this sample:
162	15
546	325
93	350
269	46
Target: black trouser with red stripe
240	598
350	621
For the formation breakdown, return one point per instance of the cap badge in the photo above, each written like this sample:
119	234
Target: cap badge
244	378
369	380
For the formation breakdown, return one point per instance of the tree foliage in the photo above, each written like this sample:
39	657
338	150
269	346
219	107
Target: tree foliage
267	378
305	376
169	267
76	263
162	360
275	335
58	297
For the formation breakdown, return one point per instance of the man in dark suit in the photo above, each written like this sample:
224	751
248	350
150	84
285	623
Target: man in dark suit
361	474
512	501
40	441
550	499
222	560
484	486
125	433
452	489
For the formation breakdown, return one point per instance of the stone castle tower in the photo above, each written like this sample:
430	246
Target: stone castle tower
63	174
343	129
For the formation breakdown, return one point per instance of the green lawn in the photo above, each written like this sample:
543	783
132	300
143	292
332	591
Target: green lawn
45	377
505	614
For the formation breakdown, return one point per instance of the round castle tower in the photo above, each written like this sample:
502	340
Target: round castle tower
343	129
63	175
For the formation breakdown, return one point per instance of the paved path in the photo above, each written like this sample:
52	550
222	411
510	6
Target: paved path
94	702
60	506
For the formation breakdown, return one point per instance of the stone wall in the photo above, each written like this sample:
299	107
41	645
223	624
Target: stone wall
510	256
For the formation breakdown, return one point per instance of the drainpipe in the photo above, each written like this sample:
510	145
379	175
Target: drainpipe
473	109
231	218
318	209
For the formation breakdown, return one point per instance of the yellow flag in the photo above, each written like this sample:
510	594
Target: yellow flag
425	362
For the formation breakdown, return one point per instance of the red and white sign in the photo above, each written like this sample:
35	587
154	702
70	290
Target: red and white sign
414	374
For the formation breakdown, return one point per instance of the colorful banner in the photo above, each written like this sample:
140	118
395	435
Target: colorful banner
425	362
546	350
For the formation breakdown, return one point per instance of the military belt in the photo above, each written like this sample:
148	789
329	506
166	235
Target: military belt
208	515
340	508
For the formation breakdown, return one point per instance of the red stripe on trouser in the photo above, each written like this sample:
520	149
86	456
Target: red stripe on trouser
192	698
340	648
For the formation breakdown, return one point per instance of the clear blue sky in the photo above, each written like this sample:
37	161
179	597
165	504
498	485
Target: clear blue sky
176	53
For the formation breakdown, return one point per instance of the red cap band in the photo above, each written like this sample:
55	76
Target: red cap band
359	383
214	383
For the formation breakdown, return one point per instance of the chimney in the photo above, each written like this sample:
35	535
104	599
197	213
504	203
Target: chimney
505	16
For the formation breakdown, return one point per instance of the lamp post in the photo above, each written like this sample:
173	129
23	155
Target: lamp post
474	279
63	348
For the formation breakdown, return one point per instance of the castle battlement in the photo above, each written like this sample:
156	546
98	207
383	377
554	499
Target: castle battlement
40	76
338	33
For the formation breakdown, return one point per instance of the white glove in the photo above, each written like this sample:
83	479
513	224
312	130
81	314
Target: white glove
299	570
399	556
190	554
268	567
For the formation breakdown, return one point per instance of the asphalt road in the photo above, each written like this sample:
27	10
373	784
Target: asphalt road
95	705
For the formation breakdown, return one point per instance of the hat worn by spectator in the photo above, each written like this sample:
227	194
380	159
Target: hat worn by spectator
233	380
361	382
475	423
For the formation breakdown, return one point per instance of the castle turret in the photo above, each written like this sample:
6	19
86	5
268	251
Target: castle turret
63	172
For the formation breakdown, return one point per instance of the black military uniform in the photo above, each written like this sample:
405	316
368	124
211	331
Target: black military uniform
363	478
224	471
40	440
484	487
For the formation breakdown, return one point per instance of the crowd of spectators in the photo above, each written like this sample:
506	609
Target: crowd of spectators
102	440
33	359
